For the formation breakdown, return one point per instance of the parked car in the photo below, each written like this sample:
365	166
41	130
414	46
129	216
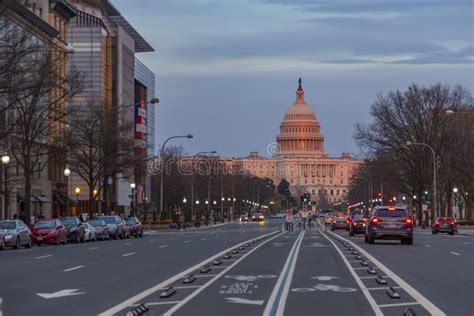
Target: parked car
340	222
101	229
2	245
90	234
115	225
135	226
126	229
74	228
444	225
16	234
389	222
48	231
357	225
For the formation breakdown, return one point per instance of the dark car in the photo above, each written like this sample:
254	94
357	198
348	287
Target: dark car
135	226
357	225
48	231
258	217
101	229
444	225
75	231
340	222
392	223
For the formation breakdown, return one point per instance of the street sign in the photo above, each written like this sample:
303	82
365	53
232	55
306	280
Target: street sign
424	207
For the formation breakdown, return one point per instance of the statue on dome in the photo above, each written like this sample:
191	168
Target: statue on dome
299	85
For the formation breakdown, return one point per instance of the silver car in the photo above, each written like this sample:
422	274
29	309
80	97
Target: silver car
90	233
16	234
2	245
101	228
115	225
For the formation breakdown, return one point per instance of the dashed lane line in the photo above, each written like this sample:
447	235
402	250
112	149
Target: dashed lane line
140	296
467	243
129	254
358	280
427	246
73	268
382	288
399	304
157	303
163	246
423	301
455	253
42	257
93	248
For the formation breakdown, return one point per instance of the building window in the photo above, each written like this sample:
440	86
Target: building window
332	192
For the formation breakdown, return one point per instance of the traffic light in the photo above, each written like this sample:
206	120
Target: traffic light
379	195
302	195
426	192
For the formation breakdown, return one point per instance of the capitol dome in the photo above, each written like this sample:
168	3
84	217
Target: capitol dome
300	132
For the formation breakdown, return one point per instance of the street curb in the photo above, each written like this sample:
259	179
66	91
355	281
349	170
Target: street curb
187	229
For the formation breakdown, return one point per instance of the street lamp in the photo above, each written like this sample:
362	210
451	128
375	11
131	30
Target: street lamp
184	200
409	143
5	161
133	187
78	191
163	169
67	173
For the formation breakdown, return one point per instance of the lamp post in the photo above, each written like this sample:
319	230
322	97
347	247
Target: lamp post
455	204
133	187
67	173
435	204
5	162
370	185
77	190
110	181
163	169
192	177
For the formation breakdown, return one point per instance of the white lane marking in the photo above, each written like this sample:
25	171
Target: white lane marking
127	243
371	277
427	246
277	301
93	248
129	254
186	241
183	287
361	284
455	253
399	304
205	275
45	256
203	238
62	293
163	246
156	303
467	243
430	307
74	268
140	296
382	288
240	300
363	268
202	288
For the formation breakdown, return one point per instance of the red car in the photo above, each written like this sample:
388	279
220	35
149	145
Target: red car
444	225
135	226
48	231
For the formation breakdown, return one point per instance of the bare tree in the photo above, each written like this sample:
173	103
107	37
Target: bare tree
100	144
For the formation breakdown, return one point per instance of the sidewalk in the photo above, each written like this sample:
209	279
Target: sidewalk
466	230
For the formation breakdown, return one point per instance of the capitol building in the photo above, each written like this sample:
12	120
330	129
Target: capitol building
298	156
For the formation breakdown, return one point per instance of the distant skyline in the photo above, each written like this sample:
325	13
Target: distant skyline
227	70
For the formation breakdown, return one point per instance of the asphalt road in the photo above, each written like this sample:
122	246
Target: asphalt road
270	273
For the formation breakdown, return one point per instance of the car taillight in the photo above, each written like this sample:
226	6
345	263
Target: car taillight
354	224
451	223
408	221
376	220
437	222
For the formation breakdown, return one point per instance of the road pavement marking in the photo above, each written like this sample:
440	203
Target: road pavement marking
186	241
163	246
140	296
205	275
157	303
277	301
399	304
428	246
382	288
45	256
93	248
204	286
129	254
430	307
127	243
240	300
362	268
62	293
74	268
455	253
361	284
371	277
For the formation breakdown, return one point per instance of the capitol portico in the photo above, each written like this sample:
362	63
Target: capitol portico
299	157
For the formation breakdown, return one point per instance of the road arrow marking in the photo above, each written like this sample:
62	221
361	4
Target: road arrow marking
324	278
62	293
240	300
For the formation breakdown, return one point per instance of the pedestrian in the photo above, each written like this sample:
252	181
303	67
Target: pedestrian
304	217
289	220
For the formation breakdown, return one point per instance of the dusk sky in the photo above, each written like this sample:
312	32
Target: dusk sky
227	70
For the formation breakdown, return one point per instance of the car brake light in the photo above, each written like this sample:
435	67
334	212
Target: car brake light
408	221
391	208
375	220
354	224
451	223
437	222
